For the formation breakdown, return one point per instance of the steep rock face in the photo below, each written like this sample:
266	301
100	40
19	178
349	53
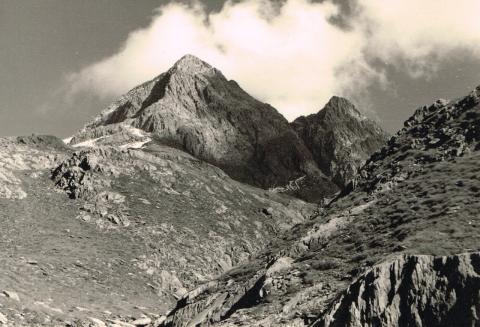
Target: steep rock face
412	291
417	195
194	107
340	138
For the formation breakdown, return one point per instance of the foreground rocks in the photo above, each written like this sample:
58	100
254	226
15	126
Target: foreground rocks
412	291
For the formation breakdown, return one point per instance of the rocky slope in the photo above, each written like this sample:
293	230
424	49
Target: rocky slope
340	138
361	260
203	222
141	227
194	107
17	155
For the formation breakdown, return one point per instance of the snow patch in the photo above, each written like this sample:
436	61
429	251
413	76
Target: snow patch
135	131
67	140
88	143
135	145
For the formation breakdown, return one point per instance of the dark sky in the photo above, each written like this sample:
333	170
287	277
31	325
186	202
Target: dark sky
42	41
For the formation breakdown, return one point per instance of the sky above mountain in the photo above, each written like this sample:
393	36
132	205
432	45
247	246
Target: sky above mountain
63	61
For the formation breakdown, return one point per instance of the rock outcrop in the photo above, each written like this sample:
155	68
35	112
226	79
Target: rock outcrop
412	291
194	107
340	138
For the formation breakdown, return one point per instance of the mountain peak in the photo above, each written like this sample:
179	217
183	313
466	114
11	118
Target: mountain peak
340	138
193	107
191	63
337	100
341	105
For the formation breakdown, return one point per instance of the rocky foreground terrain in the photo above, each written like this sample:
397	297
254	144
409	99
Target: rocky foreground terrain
125	231
187	202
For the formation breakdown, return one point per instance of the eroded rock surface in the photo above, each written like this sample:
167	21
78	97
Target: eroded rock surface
416	290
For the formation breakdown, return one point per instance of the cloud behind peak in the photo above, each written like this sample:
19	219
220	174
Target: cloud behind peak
294	56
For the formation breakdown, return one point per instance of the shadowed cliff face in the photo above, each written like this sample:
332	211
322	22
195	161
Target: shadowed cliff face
340	138
194	107
385	253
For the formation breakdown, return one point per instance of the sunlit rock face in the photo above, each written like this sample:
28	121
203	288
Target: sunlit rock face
412	291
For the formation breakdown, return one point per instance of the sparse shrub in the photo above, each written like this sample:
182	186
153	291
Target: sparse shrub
376	243
359	257
415	207
401	234
324	264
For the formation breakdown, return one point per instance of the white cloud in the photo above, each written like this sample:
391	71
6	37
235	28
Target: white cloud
419	33
291	57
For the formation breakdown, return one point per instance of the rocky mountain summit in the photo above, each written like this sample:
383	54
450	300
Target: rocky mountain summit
390	251
146	191
340	138
194	107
